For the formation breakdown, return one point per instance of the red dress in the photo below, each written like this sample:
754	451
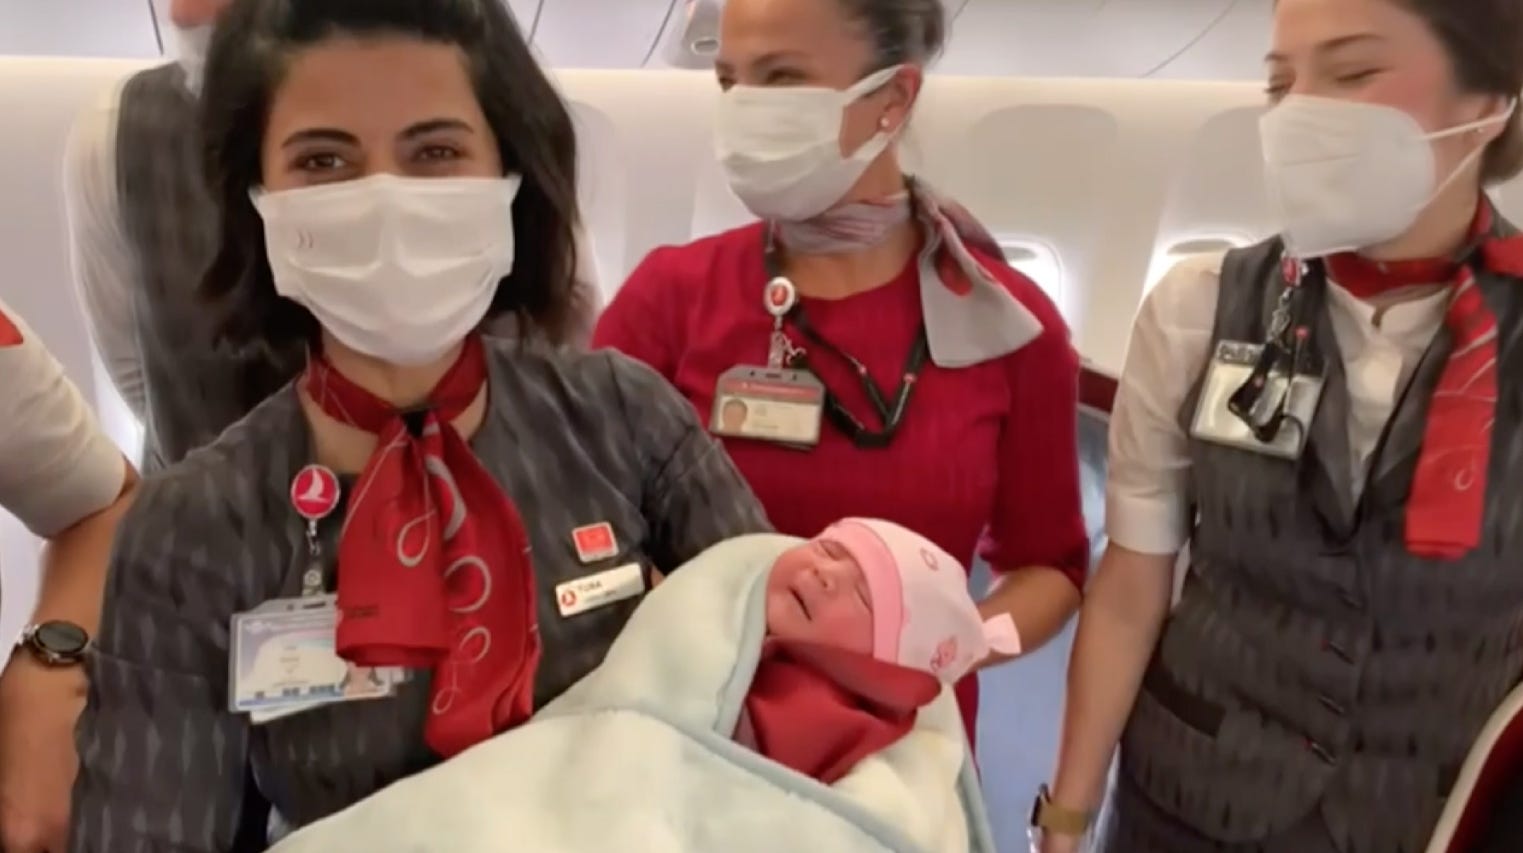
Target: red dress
985	461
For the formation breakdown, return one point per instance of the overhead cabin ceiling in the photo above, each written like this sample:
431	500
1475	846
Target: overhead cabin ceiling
1174	39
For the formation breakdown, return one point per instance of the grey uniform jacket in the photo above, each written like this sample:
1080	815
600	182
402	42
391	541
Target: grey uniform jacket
573	439
1312	663
193	388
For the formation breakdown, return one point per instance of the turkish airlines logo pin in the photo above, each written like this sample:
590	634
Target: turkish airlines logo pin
314	492
781	296
595	542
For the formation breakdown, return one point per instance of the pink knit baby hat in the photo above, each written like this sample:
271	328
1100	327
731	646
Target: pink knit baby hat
923	615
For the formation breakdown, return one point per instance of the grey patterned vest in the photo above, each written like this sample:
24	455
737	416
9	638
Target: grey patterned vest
194	390
1312	663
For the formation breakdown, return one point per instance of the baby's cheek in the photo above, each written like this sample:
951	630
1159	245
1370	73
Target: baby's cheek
847	628
862	634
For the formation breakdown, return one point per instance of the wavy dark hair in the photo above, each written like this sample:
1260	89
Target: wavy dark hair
253	43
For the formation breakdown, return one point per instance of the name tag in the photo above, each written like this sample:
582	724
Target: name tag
1231	366
599	590
768	404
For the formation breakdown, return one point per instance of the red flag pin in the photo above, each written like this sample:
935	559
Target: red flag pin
595	542
314	492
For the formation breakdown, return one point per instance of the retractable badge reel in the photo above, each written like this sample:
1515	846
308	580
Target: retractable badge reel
314	496
775	403
1262	397
780	297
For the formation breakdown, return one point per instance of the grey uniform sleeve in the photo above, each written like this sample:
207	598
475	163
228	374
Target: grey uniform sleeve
693	496
163	763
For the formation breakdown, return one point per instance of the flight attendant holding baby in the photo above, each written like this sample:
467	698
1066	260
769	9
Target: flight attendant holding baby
891	364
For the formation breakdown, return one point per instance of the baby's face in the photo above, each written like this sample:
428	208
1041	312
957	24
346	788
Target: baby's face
816	592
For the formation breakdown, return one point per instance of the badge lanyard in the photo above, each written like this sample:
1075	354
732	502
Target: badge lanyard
1285	349
314	496
780	298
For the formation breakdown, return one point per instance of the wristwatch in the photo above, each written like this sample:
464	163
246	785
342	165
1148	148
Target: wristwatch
55	642
1051	817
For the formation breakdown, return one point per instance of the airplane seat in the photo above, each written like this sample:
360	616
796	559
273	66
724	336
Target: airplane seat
1097	395
654	134
602	191
1049	159
1217	201
716	209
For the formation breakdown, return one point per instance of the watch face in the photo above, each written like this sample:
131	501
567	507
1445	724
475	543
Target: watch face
64	639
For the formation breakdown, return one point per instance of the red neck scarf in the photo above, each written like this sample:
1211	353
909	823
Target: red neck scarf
434	567
1447	504
820	710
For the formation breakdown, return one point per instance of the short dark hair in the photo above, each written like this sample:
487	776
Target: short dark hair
900	30
535	138
1484	41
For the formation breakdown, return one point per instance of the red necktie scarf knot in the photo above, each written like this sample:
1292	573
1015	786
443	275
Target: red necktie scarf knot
434	567
1446	507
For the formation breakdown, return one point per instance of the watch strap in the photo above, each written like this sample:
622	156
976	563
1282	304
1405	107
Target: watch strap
1059	820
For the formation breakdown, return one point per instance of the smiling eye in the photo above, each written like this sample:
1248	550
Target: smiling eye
438	152
1357	77
783	77
833	549
323	161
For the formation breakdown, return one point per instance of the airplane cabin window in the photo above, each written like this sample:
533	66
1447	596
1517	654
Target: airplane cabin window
1038	262
1165	260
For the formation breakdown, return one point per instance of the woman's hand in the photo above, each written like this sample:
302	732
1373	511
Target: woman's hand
38	709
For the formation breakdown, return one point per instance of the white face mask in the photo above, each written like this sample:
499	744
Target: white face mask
189	47
780	146
400	269
1344	175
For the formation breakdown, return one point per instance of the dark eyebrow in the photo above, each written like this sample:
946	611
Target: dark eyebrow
333	134
319	134
435	124
1325	47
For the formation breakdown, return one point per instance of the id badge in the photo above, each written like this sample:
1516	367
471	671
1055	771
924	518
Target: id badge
283	661
769	404
1231	365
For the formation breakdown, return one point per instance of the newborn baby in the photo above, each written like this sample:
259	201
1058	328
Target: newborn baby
865	623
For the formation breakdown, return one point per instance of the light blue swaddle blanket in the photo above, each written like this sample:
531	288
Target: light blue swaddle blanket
638	756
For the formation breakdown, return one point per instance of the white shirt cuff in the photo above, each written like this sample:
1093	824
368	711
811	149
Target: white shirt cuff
1146	525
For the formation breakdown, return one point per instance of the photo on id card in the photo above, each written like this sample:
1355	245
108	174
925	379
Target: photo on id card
768	404
285	657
